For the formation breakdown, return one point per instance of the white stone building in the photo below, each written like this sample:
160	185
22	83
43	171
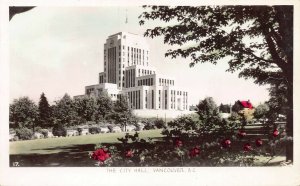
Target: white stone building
127	71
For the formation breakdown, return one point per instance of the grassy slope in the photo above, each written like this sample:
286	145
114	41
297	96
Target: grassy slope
55	145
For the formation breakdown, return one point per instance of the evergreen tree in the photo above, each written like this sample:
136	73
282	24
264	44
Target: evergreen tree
45	118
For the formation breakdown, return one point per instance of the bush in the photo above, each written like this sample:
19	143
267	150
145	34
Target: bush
94	130
44	132
79	131
110	127
149	126
24	133
159	123
38	129
59	130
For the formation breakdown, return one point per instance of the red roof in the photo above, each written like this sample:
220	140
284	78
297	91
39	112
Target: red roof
246	104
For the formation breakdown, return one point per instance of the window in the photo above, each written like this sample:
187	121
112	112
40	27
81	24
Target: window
152	99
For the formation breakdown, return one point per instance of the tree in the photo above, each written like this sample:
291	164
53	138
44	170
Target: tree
64	111
104	106
85	108
261	111
208	113
224	108
207	108
256	40
45	118
237	107
23	112
122	113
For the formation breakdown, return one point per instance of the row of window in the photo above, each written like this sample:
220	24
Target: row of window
130	78
151	106
134	99
165	82
146	82
145	72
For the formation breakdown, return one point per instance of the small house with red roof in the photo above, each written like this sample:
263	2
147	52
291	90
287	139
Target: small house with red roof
246	104
242	105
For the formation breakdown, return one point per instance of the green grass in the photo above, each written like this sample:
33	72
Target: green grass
73	151
54	145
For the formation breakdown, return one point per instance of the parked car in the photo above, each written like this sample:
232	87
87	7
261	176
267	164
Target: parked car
12	136
116	129
140	126
104	130
38	135
129	128
85	132
50	134
72	133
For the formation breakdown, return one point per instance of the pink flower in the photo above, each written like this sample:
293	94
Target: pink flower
226	143
247	147
178	143
258	142
100	155
241	133
275	133
129	154
194	152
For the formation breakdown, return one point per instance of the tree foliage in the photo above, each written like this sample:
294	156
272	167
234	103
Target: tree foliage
207	108
224	108
45	116
65	112
85	108
104	106
261	111
121	111
23	112
257	41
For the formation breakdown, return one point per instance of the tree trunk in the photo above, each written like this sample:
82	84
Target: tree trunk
289	124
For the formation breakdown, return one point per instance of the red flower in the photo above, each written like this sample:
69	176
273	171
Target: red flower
194	152
241	133
247	147
226	143
258	142
178	143
100	155
129	154
275	133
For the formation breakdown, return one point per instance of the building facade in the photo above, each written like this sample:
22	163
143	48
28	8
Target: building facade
127	71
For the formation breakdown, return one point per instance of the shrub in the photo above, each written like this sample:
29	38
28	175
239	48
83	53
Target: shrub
94	130
149	126
24	133
38	129
59	130
110	127
44	132
79	131
159	123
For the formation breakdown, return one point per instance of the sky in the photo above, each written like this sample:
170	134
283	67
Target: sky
58	50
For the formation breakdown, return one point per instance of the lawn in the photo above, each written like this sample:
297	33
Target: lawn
64	151
73	151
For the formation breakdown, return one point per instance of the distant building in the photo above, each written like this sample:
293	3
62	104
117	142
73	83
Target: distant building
242	105
127	71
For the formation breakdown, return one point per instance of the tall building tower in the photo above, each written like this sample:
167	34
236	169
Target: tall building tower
127	71
122	50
